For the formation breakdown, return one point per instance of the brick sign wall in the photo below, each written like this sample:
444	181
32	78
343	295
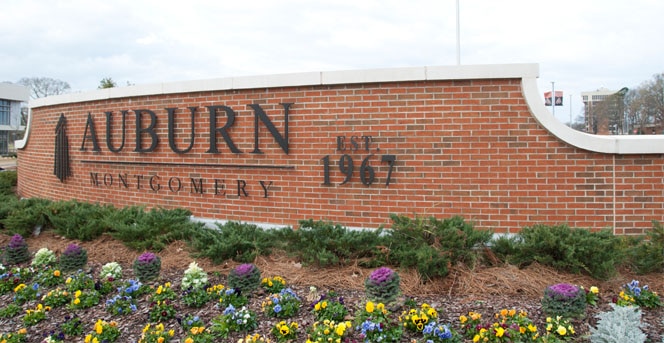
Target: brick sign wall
348	147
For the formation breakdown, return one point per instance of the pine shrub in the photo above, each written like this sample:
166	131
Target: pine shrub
326	244
431	245
240	242
152	230
79	220
647	255
27	216
573	250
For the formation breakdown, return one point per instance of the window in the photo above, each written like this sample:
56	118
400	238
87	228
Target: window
4	143
5	111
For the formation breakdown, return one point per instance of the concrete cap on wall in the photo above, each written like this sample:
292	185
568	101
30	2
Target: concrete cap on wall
528	73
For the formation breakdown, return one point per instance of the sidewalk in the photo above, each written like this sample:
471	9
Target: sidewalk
8	163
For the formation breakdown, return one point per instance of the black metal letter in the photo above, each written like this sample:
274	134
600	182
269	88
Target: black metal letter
171	130
260	114
90	124
149	130
109	130
223	131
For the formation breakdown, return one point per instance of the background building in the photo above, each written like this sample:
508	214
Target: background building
12	98
590	101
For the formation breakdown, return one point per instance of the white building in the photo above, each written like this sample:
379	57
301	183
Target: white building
12	98
590	99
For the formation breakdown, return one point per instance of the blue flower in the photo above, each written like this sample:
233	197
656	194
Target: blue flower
277	308
229	310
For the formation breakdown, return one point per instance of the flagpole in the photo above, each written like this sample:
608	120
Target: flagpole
458	35
553	99
570	110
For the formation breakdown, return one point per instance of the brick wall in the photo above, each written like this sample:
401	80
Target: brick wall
460	147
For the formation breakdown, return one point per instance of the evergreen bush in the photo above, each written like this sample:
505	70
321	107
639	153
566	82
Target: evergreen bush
647	255
573	250
237	241
326	244
8	180
431	245
152	230
27	216
79	220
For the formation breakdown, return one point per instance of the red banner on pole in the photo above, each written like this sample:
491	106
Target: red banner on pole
558	100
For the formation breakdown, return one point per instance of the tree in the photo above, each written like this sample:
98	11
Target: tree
645	106
107	82
44	86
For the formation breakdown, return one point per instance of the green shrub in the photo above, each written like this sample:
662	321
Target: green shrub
504	247
232	240
28	215
573	250
647	256
8	203
152	230
8	181
79	220
432	246
325	244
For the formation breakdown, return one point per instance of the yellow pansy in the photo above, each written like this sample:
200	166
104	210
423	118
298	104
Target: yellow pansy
500	332
561	330
370	307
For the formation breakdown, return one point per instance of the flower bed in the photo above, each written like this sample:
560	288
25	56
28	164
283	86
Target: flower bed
439	321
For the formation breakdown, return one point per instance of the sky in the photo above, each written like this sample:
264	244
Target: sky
580	45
